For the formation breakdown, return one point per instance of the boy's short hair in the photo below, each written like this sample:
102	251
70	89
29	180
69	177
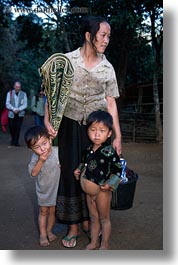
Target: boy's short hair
100	116
33	134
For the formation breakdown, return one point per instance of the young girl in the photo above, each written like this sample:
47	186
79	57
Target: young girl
44	167
100	174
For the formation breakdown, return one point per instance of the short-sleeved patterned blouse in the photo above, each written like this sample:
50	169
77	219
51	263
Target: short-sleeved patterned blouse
90	87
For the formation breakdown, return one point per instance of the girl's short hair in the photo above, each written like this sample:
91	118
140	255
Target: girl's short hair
91	24
33	134
100	116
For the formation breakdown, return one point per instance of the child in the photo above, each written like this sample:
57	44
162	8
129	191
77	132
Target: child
100	174
44	167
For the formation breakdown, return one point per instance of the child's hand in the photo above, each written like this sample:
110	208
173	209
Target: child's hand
105	187
77	173
44	156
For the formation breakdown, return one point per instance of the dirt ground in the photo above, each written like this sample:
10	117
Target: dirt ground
138	228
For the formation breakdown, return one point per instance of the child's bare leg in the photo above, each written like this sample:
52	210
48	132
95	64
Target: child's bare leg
94	223
103	205
50	224
42	220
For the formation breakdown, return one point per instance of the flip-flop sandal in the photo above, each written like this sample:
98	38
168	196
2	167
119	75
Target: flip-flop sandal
68	240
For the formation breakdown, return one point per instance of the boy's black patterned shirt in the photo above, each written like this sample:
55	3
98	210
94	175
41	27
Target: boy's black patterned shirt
101	166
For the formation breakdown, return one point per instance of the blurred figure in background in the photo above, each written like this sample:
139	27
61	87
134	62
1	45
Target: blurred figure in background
38	106
16	103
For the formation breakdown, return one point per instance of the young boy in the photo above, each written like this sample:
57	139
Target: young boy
100	174
44	167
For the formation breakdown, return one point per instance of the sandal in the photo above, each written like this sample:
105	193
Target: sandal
69	242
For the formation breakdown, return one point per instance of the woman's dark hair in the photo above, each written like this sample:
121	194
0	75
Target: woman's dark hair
33	134
100	116
91	24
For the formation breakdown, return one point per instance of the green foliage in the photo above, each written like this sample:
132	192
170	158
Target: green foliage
30	30
140	64
27	41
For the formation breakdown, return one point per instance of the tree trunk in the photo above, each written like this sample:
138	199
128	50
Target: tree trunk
158	123
61	31
122	69
157	41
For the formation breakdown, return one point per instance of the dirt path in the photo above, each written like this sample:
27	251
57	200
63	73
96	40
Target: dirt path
139	228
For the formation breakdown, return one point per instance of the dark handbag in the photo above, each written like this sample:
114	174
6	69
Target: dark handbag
123	197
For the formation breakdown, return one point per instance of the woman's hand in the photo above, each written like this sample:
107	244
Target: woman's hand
48	125
117	145
50	130
112	109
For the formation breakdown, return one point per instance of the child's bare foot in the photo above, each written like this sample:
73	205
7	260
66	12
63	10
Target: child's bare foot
92	246
104	247
51	236
44	241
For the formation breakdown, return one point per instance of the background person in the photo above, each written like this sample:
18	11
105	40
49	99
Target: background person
38	107
16	103
4	119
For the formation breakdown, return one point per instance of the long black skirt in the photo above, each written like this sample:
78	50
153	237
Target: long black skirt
71	207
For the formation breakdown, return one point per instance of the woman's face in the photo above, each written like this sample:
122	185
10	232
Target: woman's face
102	37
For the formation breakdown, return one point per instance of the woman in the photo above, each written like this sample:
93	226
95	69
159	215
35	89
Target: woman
94	87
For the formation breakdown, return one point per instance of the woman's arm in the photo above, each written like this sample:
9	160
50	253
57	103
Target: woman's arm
47	123
112	109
